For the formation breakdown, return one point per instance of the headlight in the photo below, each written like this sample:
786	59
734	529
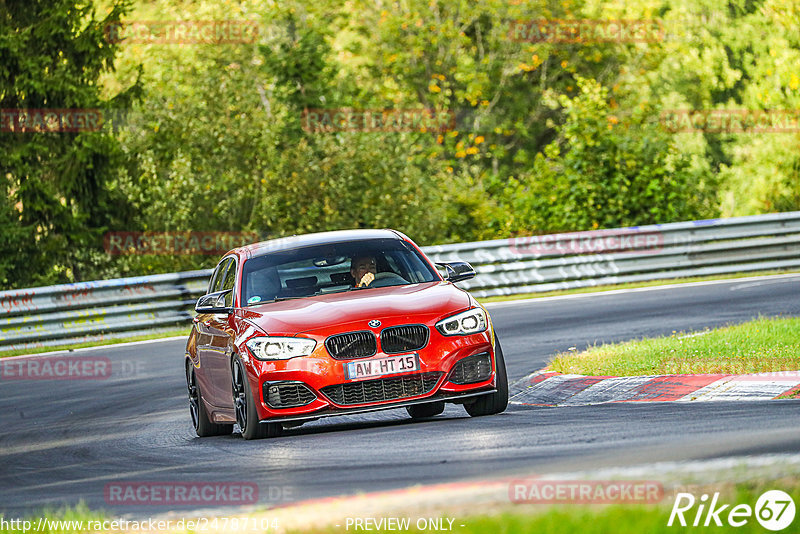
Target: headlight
468	322
280	348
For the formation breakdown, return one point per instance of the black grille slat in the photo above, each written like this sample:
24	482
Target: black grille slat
352	345
476	368
287	395
404	338
335	392
382	389
353	395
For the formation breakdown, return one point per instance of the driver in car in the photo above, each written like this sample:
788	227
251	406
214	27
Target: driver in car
363	269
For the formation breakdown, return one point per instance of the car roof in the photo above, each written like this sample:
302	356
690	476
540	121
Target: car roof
319	238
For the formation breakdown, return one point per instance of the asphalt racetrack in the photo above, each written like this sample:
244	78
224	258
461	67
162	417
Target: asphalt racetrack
64	441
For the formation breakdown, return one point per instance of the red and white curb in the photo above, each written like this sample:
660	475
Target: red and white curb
556	389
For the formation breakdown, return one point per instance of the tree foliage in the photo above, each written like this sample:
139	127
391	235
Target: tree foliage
548	135
604	171
59	192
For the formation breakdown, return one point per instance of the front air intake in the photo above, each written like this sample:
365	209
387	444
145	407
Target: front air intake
287	394
382	389
472	369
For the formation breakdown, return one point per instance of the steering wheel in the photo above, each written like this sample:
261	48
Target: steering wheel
388	279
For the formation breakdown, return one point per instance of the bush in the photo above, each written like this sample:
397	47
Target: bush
608	170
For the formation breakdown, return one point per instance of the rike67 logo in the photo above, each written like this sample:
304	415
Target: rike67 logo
774	510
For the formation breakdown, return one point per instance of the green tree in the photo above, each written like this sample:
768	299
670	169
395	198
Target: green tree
219	145
607	169
550	135
58	195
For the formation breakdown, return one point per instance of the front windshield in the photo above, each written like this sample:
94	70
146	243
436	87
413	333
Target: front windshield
332	268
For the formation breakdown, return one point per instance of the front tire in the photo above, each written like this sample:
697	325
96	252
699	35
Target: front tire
203	426
422	411
245	406
494	402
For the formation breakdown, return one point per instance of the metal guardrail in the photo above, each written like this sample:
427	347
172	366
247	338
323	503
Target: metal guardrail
90	311
56	315
583	259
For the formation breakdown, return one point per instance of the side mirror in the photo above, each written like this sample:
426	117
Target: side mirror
458	271
214	302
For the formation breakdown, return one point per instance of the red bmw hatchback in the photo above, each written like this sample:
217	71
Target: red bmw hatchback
337	323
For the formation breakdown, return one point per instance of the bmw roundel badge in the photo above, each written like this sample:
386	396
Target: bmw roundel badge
374	323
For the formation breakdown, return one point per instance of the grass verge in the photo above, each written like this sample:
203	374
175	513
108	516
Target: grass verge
53	521
184	331
632	285
496	517
619	519
761	345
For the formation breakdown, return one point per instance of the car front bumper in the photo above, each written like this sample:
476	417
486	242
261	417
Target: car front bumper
456	398
319	373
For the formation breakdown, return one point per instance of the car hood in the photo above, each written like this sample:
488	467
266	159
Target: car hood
415	303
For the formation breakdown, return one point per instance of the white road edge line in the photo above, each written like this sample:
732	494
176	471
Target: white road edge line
639	289
99	347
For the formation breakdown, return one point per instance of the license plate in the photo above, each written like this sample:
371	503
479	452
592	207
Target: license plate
381	366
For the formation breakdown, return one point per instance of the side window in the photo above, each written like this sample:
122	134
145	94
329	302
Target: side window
228	282
219	275
216	275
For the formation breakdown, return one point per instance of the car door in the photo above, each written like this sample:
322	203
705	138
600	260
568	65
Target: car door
218	356
211	343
